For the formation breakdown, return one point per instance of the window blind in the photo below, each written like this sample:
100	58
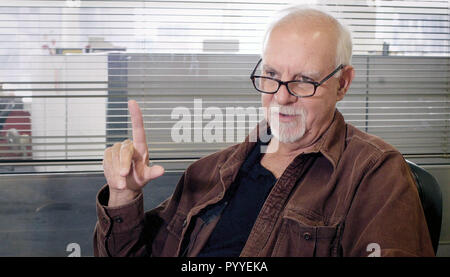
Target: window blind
68	69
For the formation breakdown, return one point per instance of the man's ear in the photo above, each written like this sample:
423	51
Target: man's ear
346	78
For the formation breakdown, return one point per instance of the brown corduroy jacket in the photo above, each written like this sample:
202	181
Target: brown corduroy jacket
352	195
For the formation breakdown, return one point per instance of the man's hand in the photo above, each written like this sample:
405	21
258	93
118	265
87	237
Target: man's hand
126	164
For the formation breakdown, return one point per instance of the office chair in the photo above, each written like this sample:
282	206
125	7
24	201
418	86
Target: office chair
431	198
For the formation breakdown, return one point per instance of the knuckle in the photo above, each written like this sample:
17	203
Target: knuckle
128	149
106	155
126	144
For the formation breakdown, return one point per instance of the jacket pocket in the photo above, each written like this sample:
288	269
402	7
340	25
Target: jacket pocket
296	239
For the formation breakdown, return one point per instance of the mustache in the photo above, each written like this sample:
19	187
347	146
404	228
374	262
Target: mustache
288	110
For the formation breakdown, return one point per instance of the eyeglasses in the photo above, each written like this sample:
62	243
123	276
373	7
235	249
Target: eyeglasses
298	88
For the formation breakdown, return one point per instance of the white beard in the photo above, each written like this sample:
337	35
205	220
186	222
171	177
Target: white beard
286	132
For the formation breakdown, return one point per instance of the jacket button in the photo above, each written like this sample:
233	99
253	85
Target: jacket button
307	235
118	220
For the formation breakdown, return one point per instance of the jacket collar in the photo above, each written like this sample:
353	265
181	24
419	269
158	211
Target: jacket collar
332	142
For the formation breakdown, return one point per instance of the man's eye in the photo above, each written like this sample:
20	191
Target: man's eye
307	79
303	79
270	74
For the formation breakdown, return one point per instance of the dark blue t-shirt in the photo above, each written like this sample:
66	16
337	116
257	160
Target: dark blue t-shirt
244	201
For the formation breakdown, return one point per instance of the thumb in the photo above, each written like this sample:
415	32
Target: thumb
153	172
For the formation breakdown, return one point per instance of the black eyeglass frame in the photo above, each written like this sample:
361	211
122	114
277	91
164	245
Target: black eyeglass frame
280	83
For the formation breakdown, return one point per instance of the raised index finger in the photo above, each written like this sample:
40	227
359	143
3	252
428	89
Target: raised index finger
137	123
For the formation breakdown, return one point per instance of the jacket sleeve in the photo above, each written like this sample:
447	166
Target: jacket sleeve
124	230
386	216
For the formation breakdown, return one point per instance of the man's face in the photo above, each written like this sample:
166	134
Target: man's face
290	54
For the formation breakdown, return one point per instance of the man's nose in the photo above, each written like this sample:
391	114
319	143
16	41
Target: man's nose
283	97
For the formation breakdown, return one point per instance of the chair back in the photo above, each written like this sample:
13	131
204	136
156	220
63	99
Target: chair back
431	198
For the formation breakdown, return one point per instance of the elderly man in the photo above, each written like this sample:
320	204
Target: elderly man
323	188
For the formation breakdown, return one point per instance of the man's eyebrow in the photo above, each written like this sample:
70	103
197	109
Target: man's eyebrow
311	75
269	68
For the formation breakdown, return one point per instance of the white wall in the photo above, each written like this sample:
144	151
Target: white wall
63	118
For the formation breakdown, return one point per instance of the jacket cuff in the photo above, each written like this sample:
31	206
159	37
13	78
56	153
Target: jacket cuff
118	219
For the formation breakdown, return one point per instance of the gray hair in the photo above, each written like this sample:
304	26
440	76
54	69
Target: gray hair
344	43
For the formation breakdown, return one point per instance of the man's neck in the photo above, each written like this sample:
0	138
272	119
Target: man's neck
287	149
279	155
292	149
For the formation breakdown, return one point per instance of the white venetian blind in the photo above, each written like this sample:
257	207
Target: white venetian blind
68	69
